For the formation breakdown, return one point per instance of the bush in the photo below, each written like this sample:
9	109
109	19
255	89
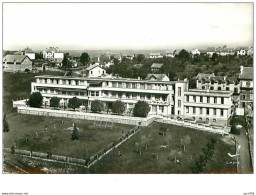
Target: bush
234	130
35	100
54	102
74	103
96	106
141	109
118	107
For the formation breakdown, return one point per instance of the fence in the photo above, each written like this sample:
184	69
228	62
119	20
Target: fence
87	163
88	116
194	125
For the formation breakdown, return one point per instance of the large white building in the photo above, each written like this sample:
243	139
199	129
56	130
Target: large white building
166	98
53	54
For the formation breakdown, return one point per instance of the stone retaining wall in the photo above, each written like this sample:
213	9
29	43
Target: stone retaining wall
88	116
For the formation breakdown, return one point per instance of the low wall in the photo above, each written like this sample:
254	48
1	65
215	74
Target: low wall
87	116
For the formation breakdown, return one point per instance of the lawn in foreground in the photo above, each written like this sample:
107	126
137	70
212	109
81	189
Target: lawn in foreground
57	139
159	160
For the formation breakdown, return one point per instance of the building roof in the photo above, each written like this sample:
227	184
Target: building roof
157	65
170	51
244	48
52	49
15	58
203	75
92	67
158	77
28	50
246	73
202	51
155	54
210	49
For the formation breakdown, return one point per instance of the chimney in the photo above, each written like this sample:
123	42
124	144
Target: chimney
241	69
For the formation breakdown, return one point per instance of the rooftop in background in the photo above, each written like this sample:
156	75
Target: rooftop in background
246	73
15	58
52	49
157	65
158	77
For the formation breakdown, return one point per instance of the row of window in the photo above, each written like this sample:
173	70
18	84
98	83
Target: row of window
207	111
208	99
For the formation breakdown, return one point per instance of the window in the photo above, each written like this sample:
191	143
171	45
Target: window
187	109
92	93
221	112
187	97
211	88
214	111
207	111
179	103
227	88
81	93
208	99
203	87
201	110
154	108
161	108
179	91
97	93
91	72
215	100
194	98
201	98
222	100
194	110
219	88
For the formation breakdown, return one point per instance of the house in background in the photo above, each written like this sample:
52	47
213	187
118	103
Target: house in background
128	56
203	52
53	54
155	55
16	63
157	77
241	51
95	71
195	52
170	54
155	67
28	52
210	51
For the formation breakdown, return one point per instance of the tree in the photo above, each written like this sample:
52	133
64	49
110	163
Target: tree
141	109
183	54
96	106
145	139
27	70
75	133
84	58
5	124
118	107
65	62
35	100
74	103
172	75
192	84
140	58
214	56
54	102
185	141
174	154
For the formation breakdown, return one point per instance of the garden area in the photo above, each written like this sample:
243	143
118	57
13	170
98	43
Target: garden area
49	134
163	148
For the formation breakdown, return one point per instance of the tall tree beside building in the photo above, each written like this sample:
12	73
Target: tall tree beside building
74	103
140	58
118	107
5	124
96	106
35	100
54	102
183	54
141	109
84	58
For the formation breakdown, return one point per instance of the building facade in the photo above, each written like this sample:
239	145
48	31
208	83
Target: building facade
16	63
155	55
53	54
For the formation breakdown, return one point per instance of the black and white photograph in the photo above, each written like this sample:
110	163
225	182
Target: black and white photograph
128	88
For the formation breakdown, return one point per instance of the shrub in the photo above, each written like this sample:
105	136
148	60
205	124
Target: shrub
141	109
118	107
96	106
35	100
54	102
74	103
234	130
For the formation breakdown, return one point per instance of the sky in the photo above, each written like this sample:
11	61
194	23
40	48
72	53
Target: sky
81	26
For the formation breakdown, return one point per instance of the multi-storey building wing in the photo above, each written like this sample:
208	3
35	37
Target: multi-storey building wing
159	94
246	85
53	54
208	105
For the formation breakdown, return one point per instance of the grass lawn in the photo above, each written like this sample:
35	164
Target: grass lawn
147	162
58	140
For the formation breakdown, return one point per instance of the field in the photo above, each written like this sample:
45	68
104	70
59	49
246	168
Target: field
48	134
158	160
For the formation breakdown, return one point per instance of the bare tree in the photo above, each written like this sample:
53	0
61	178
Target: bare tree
174	154
185	141
145	139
